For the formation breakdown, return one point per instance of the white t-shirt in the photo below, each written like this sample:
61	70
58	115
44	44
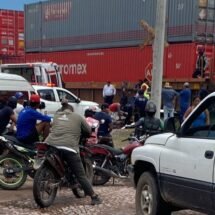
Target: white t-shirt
18	109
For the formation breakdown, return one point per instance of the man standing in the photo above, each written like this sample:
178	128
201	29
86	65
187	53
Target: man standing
109	91
139	105
185	98
169	96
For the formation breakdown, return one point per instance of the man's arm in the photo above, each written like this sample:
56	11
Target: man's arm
38	116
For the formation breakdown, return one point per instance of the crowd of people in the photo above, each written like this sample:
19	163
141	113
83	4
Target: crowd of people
133	101
67	127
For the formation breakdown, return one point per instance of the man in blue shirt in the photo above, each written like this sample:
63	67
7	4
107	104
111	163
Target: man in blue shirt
185	98
169	96
139	105
28	130
105	121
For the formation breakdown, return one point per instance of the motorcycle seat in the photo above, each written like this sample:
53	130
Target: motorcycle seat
111	149
14	140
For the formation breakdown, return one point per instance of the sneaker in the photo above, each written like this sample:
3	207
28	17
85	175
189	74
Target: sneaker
95	200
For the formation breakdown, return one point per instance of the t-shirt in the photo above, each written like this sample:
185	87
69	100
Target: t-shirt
27	121
94	124
168	96
5	114
185	97
104	120
140	103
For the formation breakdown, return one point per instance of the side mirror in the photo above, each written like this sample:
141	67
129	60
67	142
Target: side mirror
42	105
78	100
172	124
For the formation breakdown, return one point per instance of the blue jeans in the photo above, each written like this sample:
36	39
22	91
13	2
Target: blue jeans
168	112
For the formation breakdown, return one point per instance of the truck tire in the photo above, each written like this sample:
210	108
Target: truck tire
148	198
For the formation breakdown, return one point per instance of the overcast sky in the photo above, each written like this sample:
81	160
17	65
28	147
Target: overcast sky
15	4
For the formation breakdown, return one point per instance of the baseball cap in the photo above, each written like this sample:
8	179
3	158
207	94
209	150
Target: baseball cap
19	95
35	98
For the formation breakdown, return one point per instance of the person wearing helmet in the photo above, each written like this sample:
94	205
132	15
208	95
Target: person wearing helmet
20	101
28	130
148	124
7	113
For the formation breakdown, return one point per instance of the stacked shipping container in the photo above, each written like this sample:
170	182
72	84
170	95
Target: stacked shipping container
76	24
11	33
98	40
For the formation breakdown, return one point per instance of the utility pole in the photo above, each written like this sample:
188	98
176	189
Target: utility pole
158	54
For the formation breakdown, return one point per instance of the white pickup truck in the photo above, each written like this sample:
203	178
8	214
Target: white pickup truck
52	97
176	169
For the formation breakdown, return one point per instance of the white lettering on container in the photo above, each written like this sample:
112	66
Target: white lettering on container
73	69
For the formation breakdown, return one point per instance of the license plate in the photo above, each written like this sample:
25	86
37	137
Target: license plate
38	163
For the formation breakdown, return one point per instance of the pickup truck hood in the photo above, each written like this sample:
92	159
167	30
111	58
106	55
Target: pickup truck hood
89	104
159	139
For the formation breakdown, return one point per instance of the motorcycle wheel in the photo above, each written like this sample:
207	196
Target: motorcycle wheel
78	191
99	178
44	186
9	179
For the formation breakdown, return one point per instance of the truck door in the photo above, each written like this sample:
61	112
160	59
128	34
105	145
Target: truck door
187	163
62	93
48	96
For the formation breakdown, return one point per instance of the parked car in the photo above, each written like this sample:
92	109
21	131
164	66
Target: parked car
175	170
52	97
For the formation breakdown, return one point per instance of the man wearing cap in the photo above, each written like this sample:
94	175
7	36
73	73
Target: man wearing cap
185	99
20	101
169	97
28	130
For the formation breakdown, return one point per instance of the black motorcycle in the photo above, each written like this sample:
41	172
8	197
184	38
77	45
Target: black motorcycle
53	173
16	162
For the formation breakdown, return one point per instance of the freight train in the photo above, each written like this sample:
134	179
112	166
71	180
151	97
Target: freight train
99	40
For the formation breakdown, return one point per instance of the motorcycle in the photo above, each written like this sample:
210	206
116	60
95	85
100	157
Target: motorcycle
16	163
111	162
53	173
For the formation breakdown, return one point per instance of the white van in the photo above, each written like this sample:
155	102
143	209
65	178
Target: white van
10	84
52	97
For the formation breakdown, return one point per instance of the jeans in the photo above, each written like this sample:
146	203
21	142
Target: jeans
168	112
75	163
108	99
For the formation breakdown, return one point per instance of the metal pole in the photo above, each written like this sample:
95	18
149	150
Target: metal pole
158	54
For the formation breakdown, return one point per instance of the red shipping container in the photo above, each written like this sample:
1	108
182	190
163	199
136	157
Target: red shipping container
11	32
118	64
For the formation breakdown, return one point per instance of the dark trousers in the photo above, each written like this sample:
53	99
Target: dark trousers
108	99
75	163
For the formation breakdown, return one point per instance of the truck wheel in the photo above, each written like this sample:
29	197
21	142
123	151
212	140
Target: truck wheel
148	199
